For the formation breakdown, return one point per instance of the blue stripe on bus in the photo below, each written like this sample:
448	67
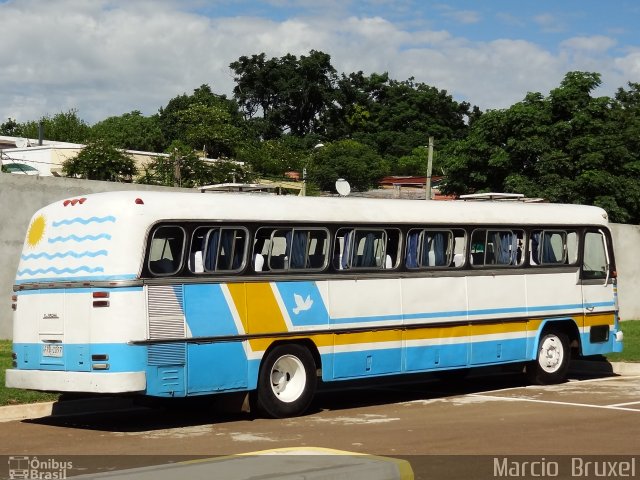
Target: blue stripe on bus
303	303
77	357
207	311
459	313
426	358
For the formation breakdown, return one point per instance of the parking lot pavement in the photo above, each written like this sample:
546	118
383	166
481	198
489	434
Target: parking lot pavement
612	393
447	423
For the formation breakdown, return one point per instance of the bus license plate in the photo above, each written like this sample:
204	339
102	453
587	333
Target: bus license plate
49	350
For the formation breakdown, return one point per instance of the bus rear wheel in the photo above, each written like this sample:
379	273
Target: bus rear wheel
287	381
552	361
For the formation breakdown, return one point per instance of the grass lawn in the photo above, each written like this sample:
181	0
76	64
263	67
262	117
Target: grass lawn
12	396
631	351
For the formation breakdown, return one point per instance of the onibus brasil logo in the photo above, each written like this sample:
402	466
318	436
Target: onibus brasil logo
24	467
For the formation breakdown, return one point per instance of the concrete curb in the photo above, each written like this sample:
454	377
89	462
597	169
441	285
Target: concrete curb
63	408
111	404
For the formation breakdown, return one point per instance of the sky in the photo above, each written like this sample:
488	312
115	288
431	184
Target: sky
109	57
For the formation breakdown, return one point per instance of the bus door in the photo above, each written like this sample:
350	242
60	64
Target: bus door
63	329
598	285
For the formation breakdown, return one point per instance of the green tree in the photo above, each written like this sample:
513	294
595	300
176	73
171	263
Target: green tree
394	117
288	93
11	128
179	121
62	127
567	147
359	164
99	160
274	157
131	131
208	128
182	167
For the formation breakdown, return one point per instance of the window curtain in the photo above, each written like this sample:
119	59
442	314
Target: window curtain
412	249
212	250
346	250
299	249
238	252
226	240
439	249
548	255
504	247
535	248
369	254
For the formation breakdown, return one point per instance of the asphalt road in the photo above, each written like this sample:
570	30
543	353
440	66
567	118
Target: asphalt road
426	422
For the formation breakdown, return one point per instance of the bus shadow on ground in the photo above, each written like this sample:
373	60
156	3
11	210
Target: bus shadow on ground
123	414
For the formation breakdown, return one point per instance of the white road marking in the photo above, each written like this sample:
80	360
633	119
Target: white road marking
623	404
552	402
364	419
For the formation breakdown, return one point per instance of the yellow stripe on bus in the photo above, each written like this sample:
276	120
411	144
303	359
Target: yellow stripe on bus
263	312
603	319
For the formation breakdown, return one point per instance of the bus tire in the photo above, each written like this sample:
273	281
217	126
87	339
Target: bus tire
552	361
287	381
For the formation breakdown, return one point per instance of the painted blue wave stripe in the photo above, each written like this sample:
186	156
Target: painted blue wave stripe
84	221
59	271
48	256
75	238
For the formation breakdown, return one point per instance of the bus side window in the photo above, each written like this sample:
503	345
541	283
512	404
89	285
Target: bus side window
548	247
166	249
369	249
497	247
432	248
392	256
215	249
595	264
342	249
261	247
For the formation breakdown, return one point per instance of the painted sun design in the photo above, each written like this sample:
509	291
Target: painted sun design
36	231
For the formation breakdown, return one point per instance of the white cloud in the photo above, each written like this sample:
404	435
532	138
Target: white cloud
596	43
550	23
110	57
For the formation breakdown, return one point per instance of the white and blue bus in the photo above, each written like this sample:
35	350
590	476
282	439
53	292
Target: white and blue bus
184	294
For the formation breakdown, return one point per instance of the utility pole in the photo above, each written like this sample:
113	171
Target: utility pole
429	168
177	174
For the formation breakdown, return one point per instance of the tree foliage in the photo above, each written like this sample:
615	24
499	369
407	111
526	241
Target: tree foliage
567	147
355	162
99	160
131	131
182	167
62	127
289	92
203	120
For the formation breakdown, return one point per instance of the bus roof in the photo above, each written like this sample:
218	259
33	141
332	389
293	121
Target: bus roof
156	206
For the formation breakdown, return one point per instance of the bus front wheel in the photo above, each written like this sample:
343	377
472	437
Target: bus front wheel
552	361
287	381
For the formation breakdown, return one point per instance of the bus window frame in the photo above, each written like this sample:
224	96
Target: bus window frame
450	250
565	247
220	228
353	231
494	229
154	229
290	228
607	244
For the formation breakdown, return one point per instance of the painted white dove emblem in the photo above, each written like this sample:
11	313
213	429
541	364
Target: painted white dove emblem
301	305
